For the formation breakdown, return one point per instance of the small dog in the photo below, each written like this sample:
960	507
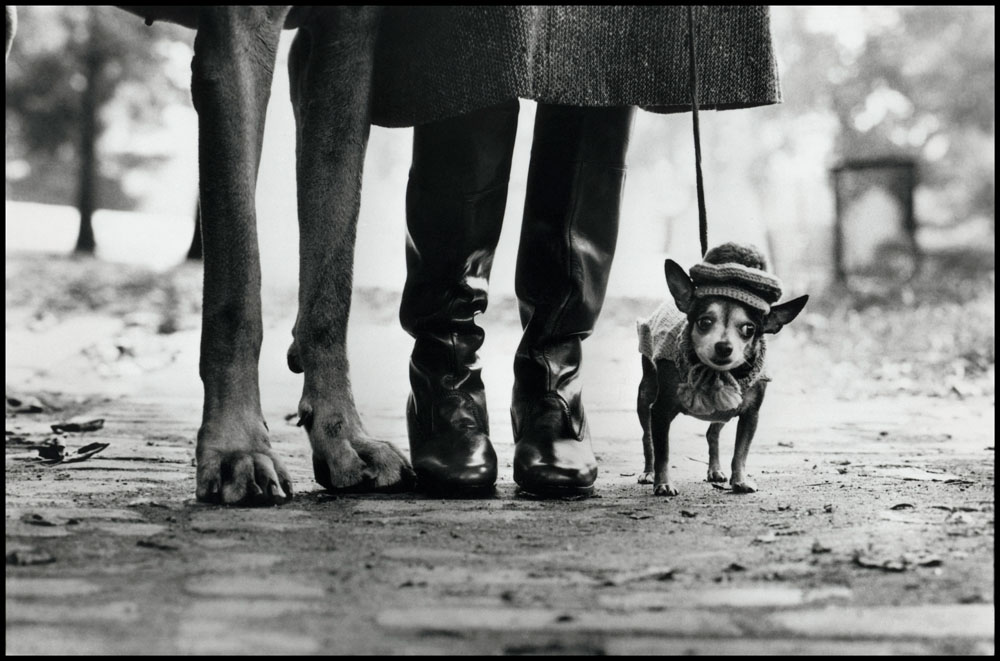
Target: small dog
706	357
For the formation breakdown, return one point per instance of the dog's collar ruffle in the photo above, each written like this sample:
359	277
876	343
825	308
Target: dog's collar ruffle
707	392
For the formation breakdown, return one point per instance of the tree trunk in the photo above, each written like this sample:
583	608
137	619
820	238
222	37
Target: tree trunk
89	130
194	252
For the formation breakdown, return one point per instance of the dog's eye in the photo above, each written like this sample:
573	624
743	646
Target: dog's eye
704	324
747	330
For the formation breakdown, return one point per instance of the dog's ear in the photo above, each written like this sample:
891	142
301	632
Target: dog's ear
783	314
681	287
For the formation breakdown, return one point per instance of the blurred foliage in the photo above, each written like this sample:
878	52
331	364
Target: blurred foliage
916	81
47	83
934	336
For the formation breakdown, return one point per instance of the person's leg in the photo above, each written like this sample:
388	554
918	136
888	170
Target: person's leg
567	244
454	211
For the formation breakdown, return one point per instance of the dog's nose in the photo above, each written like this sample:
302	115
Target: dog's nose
723	349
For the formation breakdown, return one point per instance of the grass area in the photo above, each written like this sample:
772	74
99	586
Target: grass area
932	336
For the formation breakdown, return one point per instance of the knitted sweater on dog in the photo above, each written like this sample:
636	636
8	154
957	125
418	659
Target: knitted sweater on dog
705	392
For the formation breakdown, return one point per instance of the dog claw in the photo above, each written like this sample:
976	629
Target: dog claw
745	485
240	477
305	417
646	478
716	476
294	363
664	490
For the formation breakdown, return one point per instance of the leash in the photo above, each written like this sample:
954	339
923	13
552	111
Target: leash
702	213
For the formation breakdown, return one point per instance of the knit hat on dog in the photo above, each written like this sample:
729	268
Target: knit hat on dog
738	272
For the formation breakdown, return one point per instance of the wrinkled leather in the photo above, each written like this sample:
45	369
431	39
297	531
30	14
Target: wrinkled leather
567	246
454	205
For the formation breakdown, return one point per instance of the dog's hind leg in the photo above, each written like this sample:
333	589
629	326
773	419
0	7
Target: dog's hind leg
715	473
234	55
331	69
647	395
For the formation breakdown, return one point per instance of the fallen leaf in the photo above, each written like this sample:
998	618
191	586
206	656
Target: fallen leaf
91	425
638	516
27	404
84	453
159	545
35	519
893	565
28	557
819	547
52	451
626	474
903	506
652	573
785	444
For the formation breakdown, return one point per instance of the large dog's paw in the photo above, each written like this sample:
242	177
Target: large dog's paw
646	478
242	477
361	465
337	466
744	484
385	466
716	475
665	489
344	459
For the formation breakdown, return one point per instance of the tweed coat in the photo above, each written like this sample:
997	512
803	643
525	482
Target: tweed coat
438	62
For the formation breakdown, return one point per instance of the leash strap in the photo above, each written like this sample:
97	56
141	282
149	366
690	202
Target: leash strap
702	213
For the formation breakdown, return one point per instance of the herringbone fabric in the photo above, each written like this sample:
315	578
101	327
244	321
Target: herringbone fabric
437	62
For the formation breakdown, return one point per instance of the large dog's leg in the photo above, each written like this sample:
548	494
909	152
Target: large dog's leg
232	69
331	68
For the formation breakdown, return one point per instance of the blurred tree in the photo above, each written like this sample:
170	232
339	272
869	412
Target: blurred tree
71	66
916	81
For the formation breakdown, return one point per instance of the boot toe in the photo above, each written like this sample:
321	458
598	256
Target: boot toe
434	474
564	468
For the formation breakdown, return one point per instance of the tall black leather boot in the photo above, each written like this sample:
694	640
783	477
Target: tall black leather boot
567	245
454	211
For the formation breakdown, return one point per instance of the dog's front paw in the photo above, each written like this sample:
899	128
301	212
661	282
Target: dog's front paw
345	460
745	484
242	477
646	478
337	466
665	490
385	466
715	475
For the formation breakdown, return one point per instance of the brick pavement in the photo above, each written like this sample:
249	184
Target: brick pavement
128	563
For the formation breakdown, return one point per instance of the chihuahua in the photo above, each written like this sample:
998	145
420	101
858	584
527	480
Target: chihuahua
706	358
